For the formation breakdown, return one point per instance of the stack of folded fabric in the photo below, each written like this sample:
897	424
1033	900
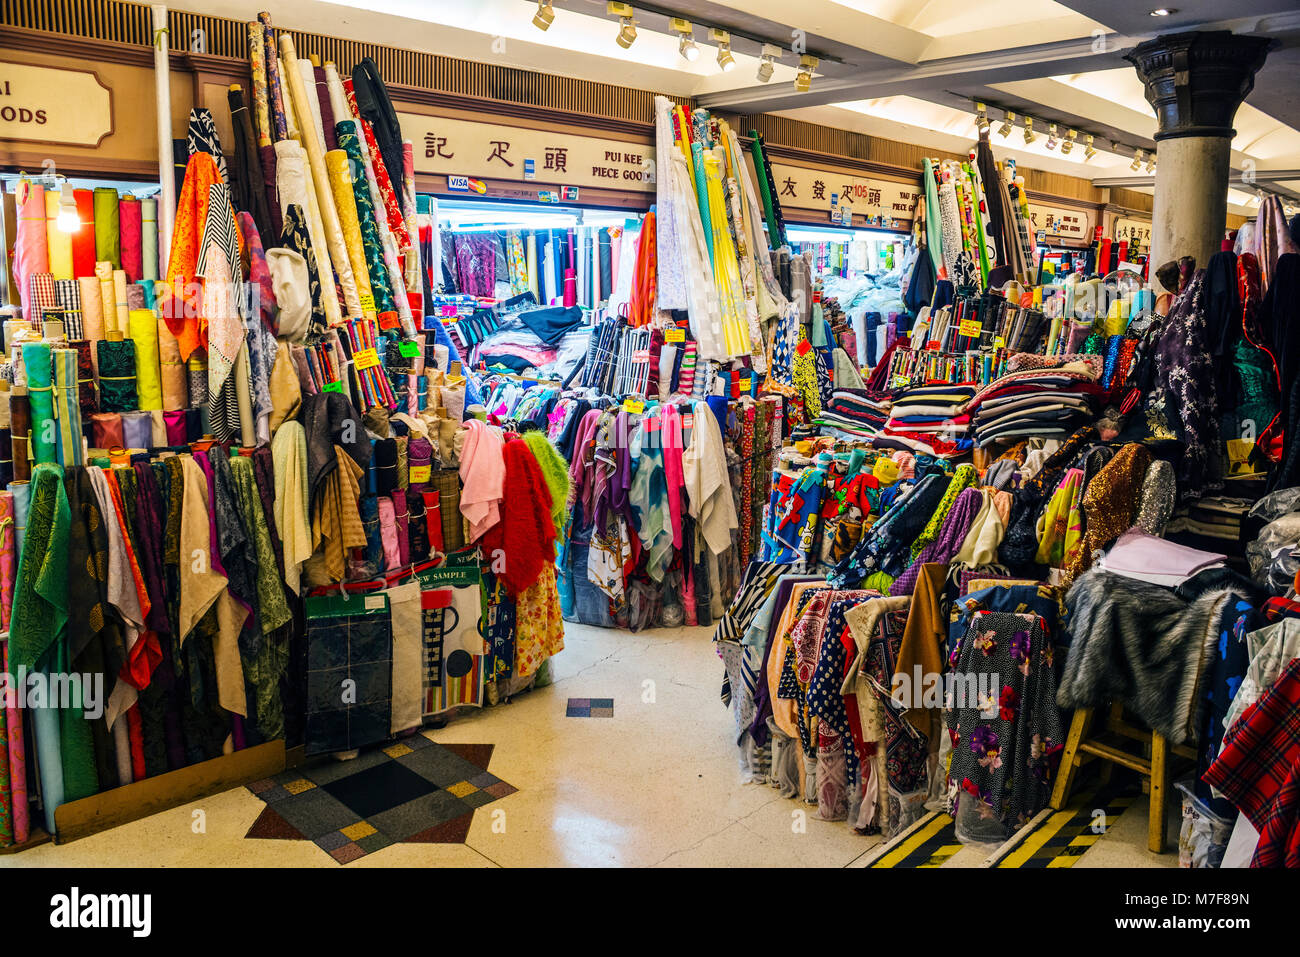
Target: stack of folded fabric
854	412
1213	522
929	420
1147	558
1040	396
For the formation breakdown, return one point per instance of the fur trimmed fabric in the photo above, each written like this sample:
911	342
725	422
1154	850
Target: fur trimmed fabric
1142	645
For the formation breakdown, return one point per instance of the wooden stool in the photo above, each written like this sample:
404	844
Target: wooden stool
1081	747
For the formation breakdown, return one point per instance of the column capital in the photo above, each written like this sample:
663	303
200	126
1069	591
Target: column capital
1195	81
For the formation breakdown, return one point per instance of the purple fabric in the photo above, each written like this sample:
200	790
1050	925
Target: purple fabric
955	528
150	514
476	264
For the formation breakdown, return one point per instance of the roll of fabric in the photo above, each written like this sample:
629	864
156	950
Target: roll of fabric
20	428
40	391
446	482
43	297
8	561
121	302
92	309
197	374
195	424
83	240
175	380
57	241
144	333
22	493
388	534
14	724
385	465
177	427
158	437
106	431
117	390
131	222
108	232
950	221
137	430
68	293
148	239
71	450
87	390
31	248
336	162
244	400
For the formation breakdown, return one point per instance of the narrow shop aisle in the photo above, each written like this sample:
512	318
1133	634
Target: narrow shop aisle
655	783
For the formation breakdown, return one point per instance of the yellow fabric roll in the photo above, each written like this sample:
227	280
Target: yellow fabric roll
58	242
336	161
107	297
148	377
175	381
122	310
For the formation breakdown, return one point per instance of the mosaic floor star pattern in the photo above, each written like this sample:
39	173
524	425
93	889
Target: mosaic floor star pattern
414	791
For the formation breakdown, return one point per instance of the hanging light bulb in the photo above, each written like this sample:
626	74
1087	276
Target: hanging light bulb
1088	151
1137	160
1069	142
69	221
627	28
803	81
1030	135
723	39
1008	122
544	16
1051	137
768	64
686	45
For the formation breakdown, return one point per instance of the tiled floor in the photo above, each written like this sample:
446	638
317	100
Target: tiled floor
655	784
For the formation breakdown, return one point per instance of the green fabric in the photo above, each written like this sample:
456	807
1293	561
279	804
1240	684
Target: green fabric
962	479
933	225
555	471
117	376
45	427
702	196
272	608
775	236
108	237
40	605
370	241
880	581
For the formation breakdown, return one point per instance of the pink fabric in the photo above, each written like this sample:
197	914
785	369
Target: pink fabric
388	532
483	474
17	762
673	474
1136	551
31	249
402	517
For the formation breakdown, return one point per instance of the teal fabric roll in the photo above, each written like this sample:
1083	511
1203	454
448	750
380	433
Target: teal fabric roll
40	390
22	493
702	195
67	407
370	241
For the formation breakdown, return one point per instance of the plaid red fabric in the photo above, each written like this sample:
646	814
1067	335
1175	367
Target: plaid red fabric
1258	769
1277	608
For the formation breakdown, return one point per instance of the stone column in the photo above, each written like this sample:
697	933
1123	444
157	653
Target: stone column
1194	82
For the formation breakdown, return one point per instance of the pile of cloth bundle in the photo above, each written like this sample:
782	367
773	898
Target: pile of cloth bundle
1120	554
666	496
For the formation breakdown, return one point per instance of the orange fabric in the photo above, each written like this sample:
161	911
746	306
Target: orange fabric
178	298
641	308
146	654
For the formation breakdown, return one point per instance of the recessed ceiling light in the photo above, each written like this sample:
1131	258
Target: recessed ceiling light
1163	11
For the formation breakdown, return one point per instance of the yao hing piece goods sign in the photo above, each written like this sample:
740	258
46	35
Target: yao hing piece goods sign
40	104
463	148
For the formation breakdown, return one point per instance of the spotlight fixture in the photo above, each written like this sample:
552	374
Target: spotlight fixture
723	39
1069	142
1164	11
1088	151
1030	135
686	46
544	16
1008	123
1137	160
981	118
803	82
627	28
1051	137
68	221
1151	163
768	65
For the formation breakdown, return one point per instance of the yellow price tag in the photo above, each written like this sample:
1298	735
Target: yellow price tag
970	327
635	406
420	473
365	359
675	335
367	303
999	342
